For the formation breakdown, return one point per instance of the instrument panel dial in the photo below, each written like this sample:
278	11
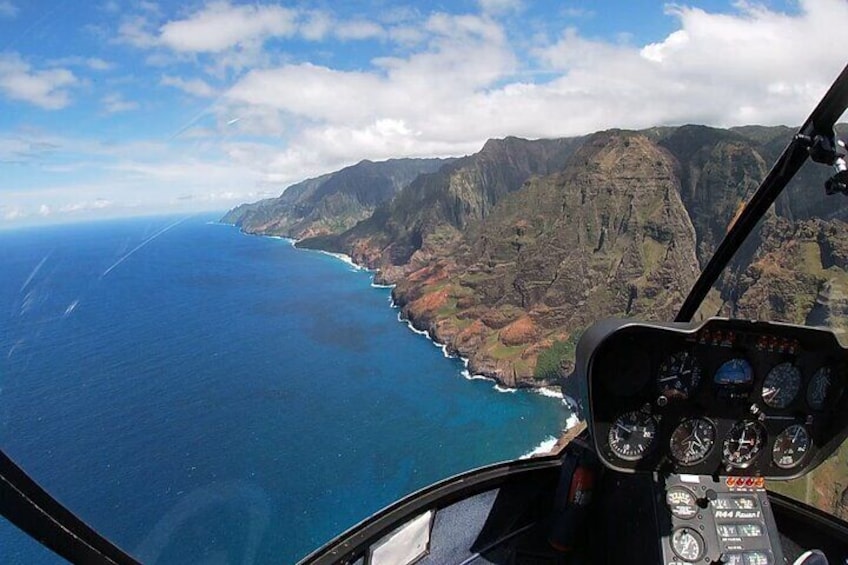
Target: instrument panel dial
735	372
790	446
781	385
743	443
687	544
678	376
692	440
681	502
632	434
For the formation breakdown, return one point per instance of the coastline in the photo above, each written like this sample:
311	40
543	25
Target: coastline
549	444
503	381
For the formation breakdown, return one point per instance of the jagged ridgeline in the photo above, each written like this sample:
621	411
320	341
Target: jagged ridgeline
508	254
333	202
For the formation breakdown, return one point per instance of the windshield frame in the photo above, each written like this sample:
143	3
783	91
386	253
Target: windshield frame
820	124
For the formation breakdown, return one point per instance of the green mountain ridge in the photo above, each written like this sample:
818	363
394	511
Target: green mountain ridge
508	254
333	202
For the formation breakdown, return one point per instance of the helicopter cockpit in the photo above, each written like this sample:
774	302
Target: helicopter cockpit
686	424
708	412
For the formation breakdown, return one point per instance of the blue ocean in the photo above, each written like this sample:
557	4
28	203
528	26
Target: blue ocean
203	396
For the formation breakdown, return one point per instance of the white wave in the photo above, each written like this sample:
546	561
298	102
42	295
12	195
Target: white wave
403	320
549	392
31	298
71	307
378	285
572	421
14	347
35	271
500	388
543	448
142	244
344	258
467	375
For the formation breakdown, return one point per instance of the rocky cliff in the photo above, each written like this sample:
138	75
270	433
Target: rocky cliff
508	254
333	202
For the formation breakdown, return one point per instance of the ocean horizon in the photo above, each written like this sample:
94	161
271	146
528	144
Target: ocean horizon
200	395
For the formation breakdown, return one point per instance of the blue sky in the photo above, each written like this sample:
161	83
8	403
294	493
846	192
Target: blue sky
111	108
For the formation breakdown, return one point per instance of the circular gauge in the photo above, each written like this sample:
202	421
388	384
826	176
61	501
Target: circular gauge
818	388
632	434
743	443
681	502
678	376
734	372
687	544
781	385
790	446
692	440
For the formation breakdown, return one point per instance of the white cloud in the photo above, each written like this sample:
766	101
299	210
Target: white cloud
114	103
220	26
137	31
195	87
8	9
500	6
442	84
44	210
85	206
45	88
316	25
463	84
358	29
93	63
12	213
96	64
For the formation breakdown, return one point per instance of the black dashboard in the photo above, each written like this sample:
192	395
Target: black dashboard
745	400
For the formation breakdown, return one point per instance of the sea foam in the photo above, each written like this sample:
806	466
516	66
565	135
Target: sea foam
543	448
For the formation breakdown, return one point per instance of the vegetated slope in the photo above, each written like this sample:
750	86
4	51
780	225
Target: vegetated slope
606	234
434	209
508	254
333	202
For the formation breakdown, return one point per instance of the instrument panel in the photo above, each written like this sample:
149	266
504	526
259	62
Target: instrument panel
722	397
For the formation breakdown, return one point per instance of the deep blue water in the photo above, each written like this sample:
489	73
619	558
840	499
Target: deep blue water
221	398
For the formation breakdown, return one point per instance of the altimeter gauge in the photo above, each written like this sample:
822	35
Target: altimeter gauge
678	376
692	440
743	443
631	435
781	385
790	446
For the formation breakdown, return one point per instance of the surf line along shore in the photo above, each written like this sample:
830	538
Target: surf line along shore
548	445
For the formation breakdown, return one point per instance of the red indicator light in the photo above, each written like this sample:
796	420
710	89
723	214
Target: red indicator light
731	481
749	482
